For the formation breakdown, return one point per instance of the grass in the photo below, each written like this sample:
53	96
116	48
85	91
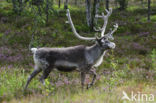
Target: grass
67	94
153	19
130	67
10	85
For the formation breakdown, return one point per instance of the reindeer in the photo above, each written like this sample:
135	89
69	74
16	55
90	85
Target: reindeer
80	58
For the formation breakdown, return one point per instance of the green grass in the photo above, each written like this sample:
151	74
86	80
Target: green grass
153	19
67	94
12	83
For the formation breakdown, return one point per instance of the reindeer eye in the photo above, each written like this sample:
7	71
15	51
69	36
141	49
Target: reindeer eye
106	42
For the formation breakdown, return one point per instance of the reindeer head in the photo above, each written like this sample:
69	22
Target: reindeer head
103	41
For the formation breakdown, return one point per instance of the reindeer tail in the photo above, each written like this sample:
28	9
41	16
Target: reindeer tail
33	50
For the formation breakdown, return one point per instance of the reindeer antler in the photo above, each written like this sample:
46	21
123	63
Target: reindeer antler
109	35
74	30
105	18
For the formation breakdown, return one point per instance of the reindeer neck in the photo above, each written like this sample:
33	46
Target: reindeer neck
93	53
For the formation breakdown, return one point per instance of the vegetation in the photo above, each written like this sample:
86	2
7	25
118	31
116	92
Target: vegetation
129	67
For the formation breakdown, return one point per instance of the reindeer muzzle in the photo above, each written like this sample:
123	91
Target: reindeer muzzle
111	45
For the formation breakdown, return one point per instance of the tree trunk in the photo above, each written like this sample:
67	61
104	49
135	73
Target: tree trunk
75	2
66	4
141	2
93	14
59	3
123	4
97	4
88	13
149	10
14	2
107	4
20	6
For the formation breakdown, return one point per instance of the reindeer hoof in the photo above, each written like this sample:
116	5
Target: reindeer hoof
89	85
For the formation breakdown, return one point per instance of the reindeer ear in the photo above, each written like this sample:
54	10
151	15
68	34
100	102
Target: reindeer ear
98	40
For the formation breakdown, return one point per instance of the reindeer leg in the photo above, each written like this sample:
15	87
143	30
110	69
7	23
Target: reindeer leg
83	75
33	74
93	80
45	74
